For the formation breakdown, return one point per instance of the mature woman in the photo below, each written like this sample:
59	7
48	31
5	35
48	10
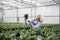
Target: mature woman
35	23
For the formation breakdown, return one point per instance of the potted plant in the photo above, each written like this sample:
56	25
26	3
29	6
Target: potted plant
26	16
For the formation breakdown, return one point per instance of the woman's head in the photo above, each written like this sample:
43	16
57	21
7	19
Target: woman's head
38	17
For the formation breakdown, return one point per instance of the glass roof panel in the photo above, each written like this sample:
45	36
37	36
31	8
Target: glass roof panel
27	0
12	4
37	0
40	2
25	3
45	3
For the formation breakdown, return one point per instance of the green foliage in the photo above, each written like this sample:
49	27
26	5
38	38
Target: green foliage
18	31
26	16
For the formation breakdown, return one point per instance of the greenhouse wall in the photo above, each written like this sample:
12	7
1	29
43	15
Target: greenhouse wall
50	14
10	16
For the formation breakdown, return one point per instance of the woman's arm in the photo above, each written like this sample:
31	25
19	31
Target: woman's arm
26	22
36	26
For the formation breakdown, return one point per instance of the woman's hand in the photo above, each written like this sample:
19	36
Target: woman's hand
26	20
30	22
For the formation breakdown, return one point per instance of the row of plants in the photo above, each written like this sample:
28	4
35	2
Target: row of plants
18	31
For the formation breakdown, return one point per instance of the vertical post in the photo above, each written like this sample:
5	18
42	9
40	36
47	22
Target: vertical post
2	10
31	9
17	16
59	13
35	11
2	17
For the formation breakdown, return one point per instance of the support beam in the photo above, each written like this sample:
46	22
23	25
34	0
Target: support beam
59	13
28	3
35	11
2	10
47	5
54	1
31	9
17	16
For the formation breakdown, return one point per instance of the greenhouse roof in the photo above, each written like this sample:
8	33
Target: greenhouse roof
16	4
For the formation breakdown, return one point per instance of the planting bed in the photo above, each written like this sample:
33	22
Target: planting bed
19	31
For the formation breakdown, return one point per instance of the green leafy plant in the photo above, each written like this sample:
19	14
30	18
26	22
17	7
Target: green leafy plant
32	38
13	30
26	16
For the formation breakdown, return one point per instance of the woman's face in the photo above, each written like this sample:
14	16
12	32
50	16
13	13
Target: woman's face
38	17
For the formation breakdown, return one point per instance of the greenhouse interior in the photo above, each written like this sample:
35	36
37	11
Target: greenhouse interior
29	19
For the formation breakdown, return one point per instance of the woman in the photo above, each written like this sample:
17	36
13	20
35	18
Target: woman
36	23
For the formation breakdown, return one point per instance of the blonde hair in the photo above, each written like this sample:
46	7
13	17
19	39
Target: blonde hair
41	17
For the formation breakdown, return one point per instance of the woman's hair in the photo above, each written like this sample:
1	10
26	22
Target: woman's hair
41	17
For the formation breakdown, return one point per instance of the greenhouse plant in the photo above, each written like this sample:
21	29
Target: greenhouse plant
29	19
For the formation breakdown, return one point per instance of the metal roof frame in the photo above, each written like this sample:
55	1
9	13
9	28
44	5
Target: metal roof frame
30	5
49	3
